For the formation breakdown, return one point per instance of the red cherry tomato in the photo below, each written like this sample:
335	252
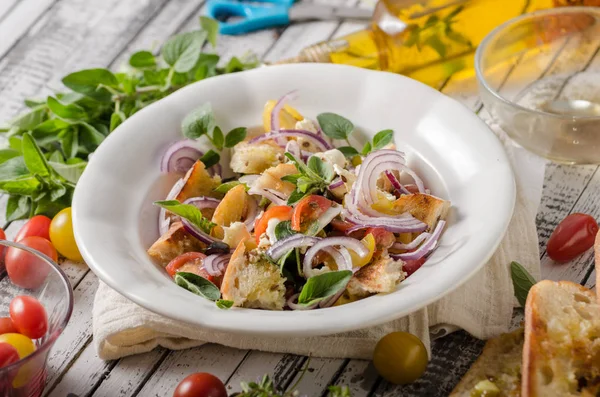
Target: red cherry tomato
8	355
184	259
309	209
383	238
573	236
24	268
281	212
2	247
340	225
200	385
412	266
7	326
29	316
39	226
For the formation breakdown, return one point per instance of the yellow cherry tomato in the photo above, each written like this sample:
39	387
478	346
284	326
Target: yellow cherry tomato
369	242
400	358
287	118
61	235
24	347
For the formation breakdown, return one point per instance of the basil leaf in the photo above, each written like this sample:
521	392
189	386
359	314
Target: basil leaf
323	286
293	178
17	207
88	82
235	136
218	138
70	172
366	149
7	154
183	50
189	212
198	122
522	282
348	151
298	195
50	126
142	59
115	121
69	142
13	169
198	285
91	138
382	138
15	143
33	103
69	111
224	304
45	206
324	170
58	192
227	186
29	120
335	126
55	157
283	230
210	158
34	159
211	27
25	186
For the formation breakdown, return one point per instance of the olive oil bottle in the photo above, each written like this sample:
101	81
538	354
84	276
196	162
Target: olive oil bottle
428	40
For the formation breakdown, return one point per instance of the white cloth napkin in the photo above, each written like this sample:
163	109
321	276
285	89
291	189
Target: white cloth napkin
482	306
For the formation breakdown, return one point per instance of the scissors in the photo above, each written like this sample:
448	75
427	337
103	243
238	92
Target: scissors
257	15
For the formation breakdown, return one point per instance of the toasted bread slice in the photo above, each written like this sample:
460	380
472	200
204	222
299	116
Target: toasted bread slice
380	276
251	281
424	207
198	183
271	179
174	242
233	207
254	158
497	370
561	355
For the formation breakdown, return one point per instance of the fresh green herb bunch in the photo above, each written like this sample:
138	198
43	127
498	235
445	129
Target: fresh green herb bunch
266	388
66	128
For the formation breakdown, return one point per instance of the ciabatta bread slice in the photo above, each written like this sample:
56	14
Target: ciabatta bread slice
561	355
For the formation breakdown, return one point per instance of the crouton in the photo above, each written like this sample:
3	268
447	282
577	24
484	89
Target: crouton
251	281
271	179
236	233
174	242
380	276
255	158
198	183
233	207
424	207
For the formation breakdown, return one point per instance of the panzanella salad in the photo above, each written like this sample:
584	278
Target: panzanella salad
307	221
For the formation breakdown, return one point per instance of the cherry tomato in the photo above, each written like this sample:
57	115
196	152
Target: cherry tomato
383	238
281	212
341	225
61	235
23	344
573	236
200	385
412	266
8	355
24	268
184	259
2	247
39	226
309	209
29	316
400	358
7	326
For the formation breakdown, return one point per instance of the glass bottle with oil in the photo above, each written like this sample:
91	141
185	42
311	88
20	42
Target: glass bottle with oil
428	40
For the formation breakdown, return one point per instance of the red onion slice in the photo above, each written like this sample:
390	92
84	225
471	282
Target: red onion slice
278	107
216	264
396	183
292	303
319	142
202	202
413	244
347	242
281	247
251	214
425	248
327	302
180	156
337	182
197	233
269	194
163	221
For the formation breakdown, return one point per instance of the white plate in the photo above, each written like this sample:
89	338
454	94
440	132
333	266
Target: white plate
456	154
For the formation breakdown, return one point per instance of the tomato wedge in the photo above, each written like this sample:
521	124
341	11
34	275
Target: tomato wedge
183	259
281	212
383	238
308	210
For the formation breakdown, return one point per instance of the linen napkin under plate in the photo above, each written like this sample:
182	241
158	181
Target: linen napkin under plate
482	306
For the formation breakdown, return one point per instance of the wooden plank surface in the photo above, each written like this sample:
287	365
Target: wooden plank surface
44	39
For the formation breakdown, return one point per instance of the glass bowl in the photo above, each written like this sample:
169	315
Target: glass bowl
26	377
539	78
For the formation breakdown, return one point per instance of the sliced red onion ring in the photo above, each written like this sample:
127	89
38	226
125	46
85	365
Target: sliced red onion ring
216	264
292	303
248	180
337	182
319	142
251	214
413	244
425	248
396	183
327	302
163	221
197	233
180	156
269	194
202	202
278	107
281	247
215	170
347	242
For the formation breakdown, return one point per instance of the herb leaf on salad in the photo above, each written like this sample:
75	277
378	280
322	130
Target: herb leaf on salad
198	285
224	304
335	126
189	212
314	177
324	286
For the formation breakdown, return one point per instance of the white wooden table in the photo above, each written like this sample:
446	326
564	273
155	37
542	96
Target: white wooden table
42	40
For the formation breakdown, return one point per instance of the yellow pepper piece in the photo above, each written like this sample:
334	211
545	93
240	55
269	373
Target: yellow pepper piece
369	242
287	117
384	205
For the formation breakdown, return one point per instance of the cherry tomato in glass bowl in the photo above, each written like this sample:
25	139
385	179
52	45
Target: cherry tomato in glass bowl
400	358
573	236
7	326
24	268
29	316
39	226
61	235
23	344
200	385
8	355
